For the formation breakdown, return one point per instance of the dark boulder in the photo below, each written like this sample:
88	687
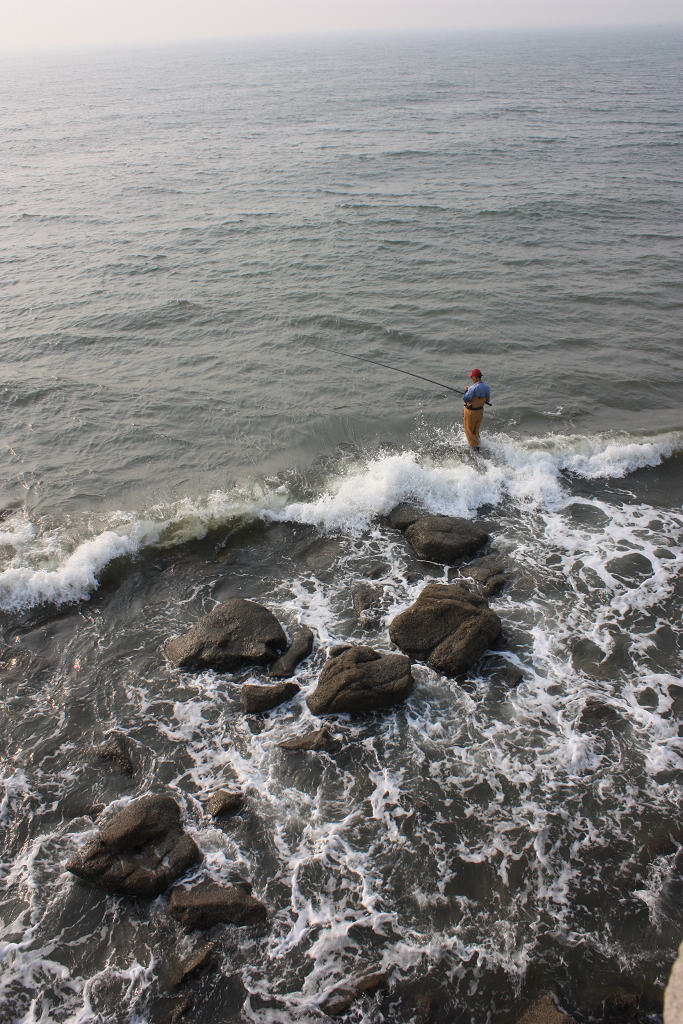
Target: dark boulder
340	999
448	626
257	698
224	803
403	516
300	647
140	852
318	739
116	751
231	634
446	539
360	679
208	903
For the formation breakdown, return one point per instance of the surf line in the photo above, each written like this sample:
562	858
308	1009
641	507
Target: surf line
396	369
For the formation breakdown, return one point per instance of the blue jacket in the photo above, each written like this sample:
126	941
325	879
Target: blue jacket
478	390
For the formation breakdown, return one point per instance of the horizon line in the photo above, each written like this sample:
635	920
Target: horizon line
327	34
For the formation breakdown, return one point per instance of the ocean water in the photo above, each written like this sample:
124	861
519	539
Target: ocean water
186	233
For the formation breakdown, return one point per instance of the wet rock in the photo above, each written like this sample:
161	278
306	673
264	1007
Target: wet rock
403	516
224	803
257	699
233	633
426	1007
340	999
376	570
321	554
495	585
360	679
318	739
140	852
300	647
544	1011
596	712
200	960
673	995
366	604
448	626
338	649
501	672
116	751
207	904
446	539
619	1006
181	1008
485	569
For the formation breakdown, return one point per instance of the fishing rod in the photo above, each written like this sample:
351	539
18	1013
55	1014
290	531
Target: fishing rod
396	369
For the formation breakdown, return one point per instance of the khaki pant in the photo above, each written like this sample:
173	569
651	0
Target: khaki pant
473	418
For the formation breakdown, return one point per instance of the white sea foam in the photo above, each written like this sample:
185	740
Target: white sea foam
528	473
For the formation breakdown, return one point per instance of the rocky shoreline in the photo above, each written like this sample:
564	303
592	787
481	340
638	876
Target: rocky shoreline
142	850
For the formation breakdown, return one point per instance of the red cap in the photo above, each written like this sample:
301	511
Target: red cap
476	373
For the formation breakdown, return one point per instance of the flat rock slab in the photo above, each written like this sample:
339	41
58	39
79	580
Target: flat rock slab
208	903
140	852
317	739
360	679
224	803
257	698
230	635
300	647
446	539
448	626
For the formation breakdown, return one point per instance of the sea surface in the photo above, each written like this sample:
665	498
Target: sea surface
186	235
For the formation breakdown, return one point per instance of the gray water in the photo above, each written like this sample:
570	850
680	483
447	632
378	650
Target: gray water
185	233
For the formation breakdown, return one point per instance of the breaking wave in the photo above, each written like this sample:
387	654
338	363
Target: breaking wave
48	566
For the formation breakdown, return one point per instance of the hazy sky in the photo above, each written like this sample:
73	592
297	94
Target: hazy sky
26	24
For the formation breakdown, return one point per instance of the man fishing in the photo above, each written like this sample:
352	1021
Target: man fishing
475	398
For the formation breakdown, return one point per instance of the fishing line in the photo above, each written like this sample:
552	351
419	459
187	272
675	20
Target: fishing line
396	369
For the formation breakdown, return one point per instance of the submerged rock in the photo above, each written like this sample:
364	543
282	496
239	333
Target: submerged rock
544	1011
300	647
140	852
360	679
224	803
198	961
340	999
448	626
233	633
491	572
596	712
257	698
181	1008
366	604
208	903
116	750
318	739
446	539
